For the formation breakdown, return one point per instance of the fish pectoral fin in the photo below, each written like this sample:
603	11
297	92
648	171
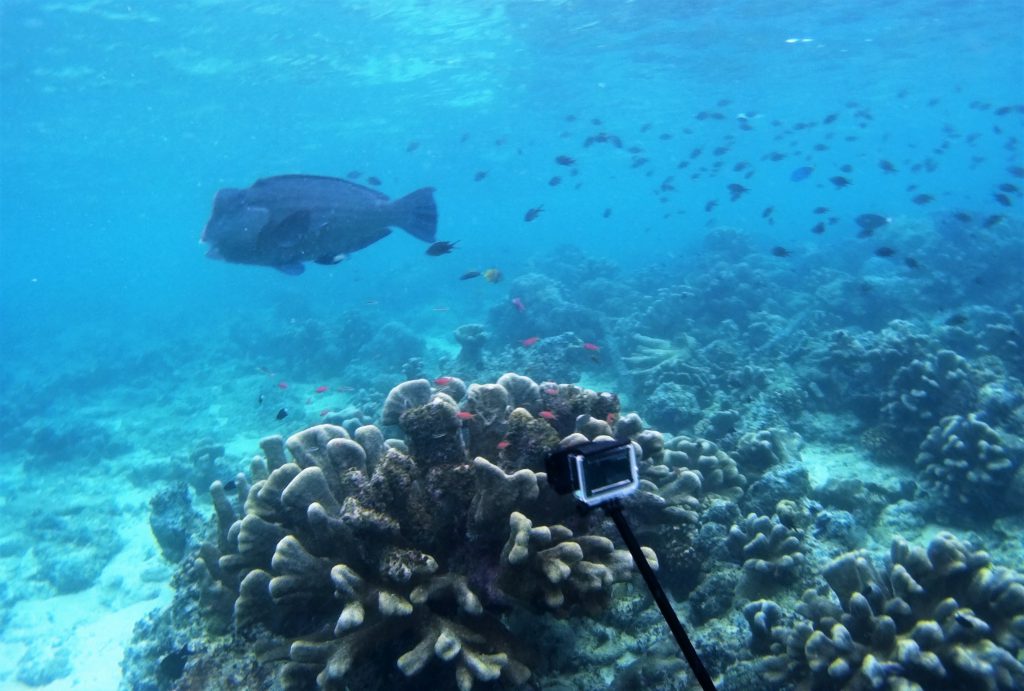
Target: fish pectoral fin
291	231
330	259
292	268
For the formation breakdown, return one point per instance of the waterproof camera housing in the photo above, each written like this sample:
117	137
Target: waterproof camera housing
594	472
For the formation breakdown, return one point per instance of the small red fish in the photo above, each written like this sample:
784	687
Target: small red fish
611	418
591	346
518	304
503	444
443	381
323	413
552	391
464	415
527	342
547	415
282	385
322	389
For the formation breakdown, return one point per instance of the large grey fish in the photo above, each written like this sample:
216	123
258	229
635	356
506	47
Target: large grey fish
286	220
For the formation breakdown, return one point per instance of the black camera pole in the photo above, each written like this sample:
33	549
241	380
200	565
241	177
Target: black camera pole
614	509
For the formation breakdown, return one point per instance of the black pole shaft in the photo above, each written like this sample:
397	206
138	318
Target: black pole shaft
614	509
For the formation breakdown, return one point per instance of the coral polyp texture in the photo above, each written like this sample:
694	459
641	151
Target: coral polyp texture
396	559
938	618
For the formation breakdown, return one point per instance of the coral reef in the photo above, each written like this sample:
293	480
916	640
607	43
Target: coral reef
967	462
927	390
367	554
766	547
941	618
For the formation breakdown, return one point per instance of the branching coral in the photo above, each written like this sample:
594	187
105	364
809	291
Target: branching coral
766	547
405	554
965	460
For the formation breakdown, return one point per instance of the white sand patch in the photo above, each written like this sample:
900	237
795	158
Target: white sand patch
93	626
845	463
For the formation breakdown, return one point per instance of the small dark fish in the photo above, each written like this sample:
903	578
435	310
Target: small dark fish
736	191
818	228
230	485
922	199
767	211
533	213
1008	187
821	209
957	320
696	152
1002	199
441	247
801	173
468	275
555	181
911	263
372	180
774	156
840	182
607	213
480	175
885	252
992	220
871	221
564	160
830	118
710	204
286	220
354	175
887	166
846	168
282	414
259	400
1016	171
412	146
962	216
780	252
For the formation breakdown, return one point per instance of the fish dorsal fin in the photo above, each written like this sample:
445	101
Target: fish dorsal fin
290	231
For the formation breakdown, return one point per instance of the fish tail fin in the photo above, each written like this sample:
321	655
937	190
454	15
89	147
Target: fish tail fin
416	214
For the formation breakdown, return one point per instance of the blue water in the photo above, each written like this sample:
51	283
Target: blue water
121	120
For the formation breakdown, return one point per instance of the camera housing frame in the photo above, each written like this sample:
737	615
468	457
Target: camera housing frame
595	472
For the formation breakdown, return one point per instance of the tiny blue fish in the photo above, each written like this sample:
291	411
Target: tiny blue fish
801	173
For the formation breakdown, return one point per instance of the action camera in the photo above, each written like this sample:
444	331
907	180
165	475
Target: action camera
594	472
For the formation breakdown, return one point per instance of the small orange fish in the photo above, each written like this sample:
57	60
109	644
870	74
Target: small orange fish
547	415
591	346
503	444
492	275
322	389
282	385
527	342
464	415
443	381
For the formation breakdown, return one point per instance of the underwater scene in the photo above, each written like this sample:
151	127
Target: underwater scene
511	344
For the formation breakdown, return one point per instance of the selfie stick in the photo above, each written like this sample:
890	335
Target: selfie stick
614	509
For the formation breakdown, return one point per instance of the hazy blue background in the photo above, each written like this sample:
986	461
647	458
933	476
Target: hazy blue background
122	119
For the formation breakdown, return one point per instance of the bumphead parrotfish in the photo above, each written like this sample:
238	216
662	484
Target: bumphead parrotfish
287	220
